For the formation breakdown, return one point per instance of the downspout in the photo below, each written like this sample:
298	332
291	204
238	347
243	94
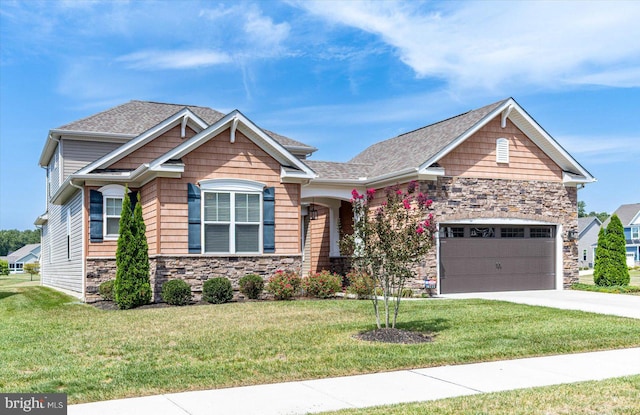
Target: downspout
83	261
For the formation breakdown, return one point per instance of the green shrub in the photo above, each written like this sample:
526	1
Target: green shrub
406	293
176	292
322	284
4	267
284	284
360	284
217	290
106	290
610	267
251	285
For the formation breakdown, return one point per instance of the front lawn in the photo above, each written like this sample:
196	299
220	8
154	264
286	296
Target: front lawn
586	283
610	396
50	343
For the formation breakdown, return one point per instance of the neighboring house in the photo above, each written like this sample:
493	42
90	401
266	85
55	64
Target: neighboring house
223	197
588	229
28	254
630	217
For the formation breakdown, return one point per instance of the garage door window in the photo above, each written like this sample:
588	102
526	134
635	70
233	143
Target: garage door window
541	232
482	233
512	232
452	232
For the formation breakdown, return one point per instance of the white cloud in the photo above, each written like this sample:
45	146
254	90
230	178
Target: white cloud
602	150
505	44
174	59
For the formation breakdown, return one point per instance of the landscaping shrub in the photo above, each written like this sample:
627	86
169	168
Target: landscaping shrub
106	290
284	284
360	284
217	290
176	292
4	267
251	285
322	284
610	267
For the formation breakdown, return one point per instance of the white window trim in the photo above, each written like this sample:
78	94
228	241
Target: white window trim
68	241
232	187
111	191
635	232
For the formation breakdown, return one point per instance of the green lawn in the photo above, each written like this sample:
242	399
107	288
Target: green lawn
586	283
50	343
610	396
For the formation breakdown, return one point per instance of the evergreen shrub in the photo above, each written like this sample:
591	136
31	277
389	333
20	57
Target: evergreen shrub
106	290
217	290
251	285
176	292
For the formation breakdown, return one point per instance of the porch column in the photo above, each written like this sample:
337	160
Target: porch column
334	231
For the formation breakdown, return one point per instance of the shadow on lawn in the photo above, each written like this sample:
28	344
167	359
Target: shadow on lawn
433	325
5	294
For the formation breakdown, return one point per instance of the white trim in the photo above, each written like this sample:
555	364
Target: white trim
144	138
496	221
227	186
110	191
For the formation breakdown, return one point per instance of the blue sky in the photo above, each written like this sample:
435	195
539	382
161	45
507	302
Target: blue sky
336	75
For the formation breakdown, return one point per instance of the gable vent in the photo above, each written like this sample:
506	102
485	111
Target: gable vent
502	150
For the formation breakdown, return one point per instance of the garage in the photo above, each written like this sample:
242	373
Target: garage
482	258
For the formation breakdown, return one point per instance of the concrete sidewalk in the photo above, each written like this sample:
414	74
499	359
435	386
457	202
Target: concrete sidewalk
379	389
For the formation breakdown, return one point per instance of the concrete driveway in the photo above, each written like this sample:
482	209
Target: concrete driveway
614	304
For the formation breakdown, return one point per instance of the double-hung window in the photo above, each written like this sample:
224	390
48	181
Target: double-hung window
232	220
112	198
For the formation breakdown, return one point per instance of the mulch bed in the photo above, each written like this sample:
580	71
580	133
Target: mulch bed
395	336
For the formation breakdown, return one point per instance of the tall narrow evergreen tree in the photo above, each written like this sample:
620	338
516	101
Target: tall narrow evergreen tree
601	260
132	287
618	270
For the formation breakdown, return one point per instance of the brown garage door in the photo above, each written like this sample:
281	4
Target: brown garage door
496	258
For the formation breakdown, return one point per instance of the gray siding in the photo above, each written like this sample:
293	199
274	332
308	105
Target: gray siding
54	172
586	242
79	153
62	269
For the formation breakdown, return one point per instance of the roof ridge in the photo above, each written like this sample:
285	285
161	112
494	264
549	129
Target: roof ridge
175	105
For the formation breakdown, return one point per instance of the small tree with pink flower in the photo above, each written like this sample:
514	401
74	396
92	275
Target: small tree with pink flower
389	241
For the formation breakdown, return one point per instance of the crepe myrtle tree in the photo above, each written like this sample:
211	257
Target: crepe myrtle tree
389	241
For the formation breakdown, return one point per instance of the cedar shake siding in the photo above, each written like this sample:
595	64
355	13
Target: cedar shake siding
476	156
164	200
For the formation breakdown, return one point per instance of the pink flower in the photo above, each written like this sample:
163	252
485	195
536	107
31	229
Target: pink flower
398	192
355	194
413	185
370	193
406	204
420	230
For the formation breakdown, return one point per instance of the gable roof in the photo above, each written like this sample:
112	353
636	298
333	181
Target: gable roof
30	249
133	118
418	152
412	149
626	213
585	223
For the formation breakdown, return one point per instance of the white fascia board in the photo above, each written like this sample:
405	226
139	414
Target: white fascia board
289	176
575	179
495	221
143	139
635	220
42	219
315	192
249	129
542	139
455	143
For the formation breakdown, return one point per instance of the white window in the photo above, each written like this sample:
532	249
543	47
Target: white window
635	232
502	150
112	196
68	232
231	216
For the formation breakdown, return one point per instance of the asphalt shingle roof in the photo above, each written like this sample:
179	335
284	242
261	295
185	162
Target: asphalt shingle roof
414	148
626	213
335	170
136	117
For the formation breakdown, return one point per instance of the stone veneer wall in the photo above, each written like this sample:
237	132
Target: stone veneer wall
194	269
459	198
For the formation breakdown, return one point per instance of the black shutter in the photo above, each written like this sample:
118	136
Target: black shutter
269	220
95	216
133	197
193	199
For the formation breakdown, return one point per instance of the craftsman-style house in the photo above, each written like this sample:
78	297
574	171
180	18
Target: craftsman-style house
222	196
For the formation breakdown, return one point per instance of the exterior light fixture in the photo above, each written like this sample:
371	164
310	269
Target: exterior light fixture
313	212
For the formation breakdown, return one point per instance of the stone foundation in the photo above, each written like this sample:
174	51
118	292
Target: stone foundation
194	269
